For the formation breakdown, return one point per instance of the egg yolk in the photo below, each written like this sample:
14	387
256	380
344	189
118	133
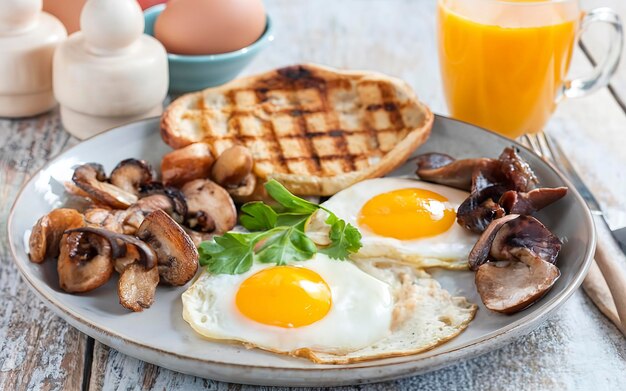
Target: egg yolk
407	214
284	296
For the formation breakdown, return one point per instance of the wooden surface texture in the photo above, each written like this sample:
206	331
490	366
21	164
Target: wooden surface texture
576	349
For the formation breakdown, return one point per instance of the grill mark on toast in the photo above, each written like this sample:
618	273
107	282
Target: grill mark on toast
326	157
313	163
338	135
389	105
299	78
268	128
366	122
295	72
261	93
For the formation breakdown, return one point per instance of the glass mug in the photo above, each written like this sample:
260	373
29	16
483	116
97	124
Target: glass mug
504	63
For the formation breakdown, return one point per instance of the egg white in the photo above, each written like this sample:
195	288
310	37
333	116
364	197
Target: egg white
360	314
448	249
425	315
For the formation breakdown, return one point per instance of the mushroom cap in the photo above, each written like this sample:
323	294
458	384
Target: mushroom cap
47	232
527	203
480	252
138	211
245	189
111	220
186	164
177	257
130	174
458	173
516	170
210	207
525	232
90	177
481	208
198	237
233	166
137	286
428	161
509	287
119	244
130	256
85	262
178	203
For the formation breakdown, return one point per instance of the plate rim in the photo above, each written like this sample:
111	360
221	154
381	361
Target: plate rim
507	332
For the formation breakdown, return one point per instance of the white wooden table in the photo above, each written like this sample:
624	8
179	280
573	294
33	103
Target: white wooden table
577	349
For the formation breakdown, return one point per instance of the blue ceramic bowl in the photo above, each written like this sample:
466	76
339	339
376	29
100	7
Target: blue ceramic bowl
193	73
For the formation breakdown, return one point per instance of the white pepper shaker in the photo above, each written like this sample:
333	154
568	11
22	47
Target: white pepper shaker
109	73
28	38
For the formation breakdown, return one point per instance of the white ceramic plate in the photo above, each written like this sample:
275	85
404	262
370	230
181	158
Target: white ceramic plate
159	335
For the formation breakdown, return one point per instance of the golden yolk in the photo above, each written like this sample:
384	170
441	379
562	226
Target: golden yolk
284	296
407	214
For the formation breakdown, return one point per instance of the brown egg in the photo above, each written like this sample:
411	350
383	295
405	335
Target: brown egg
209	26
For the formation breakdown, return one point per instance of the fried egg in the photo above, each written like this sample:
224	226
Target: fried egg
406	219
319	304
328	311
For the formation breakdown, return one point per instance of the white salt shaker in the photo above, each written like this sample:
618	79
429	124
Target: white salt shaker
109	73
28	38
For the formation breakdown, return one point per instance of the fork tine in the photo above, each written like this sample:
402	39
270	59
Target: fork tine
534	144
544	143
554	152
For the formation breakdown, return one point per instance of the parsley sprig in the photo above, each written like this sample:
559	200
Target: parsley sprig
277	235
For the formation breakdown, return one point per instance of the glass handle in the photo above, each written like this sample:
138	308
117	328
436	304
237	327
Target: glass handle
603	72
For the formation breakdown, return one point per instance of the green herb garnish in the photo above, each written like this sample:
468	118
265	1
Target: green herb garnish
276	235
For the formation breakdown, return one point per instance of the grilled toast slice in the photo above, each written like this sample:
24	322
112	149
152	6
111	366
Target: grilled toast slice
316	130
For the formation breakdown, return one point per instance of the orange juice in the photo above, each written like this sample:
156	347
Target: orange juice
504	68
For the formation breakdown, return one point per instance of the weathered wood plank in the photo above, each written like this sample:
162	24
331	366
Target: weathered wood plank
38	350
397	37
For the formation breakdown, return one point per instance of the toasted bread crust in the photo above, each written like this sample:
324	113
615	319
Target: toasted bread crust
315	129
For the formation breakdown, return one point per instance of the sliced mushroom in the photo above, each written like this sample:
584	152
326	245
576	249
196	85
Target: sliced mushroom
85	262
130	255
528	203
186	164
480	209
482	248
258	194
91	178
521	253
458	173
137	286
525	232
97	216
177	257
511	286
112	220
130	174
136	261
48	230
137	212
177	208
516	170
429	161
118	244
198	237
232	167
489	176
210	207
245	189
